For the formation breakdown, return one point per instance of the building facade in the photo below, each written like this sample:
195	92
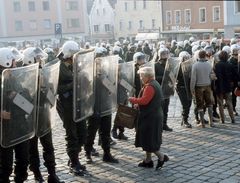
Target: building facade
136	17
202	19
101	21
36	19
232	19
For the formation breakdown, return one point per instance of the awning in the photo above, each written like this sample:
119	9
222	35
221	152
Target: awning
147	36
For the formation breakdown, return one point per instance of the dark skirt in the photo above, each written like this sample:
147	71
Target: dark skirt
149	131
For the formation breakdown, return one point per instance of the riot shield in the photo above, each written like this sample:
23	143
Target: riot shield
169	76
187	70
83	90
47	92
149	64
106	85
125	81
18	104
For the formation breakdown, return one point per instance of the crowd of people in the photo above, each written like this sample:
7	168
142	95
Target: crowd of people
203	73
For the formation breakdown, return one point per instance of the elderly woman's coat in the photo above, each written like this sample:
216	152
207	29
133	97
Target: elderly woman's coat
150	123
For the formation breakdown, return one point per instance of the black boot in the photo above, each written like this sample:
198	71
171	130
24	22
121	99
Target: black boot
186	124
114	134
107	157
53	178
76	168
38	176
167	128
146	165
160	163
121	136
89	157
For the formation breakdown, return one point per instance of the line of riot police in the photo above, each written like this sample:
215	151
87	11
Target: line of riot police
84	86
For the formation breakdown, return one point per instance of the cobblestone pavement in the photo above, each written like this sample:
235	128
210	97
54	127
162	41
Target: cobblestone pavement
196	155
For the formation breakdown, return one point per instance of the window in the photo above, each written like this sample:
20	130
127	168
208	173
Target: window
177	17
144	4
153	23
168	17
202	15
46	6
135	4
129	25
237	6
104	11
100	2
16	6
97	11
126	6
72	5
140	24
120	25
33	24
96	28
187	16
216	13
31	6
73	23
47	24
107	28
18	25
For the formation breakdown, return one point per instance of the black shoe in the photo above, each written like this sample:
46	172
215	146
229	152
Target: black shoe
114	134
82	167
94	152
186	124
121	136
161	163
89	158
54	179
197	121
166	128
216	115
233	120
107	157
38	176
76	170
146	165
206	121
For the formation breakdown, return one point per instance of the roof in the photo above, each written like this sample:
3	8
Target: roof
91	2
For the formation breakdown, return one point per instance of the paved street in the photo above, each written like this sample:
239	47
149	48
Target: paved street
196	155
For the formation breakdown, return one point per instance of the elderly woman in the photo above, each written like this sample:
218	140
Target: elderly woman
150	122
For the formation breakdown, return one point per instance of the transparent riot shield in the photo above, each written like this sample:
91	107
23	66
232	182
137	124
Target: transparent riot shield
169	76
149	64
125	81
187	70
18	104
83	92
106	85
47	93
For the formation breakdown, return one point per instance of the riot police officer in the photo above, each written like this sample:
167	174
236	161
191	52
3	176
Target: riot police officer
183	89
187	47
163	54
99	122
233	60
139	58
120	136
51	54
179	49
75	132
21	149
130	53
31	56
